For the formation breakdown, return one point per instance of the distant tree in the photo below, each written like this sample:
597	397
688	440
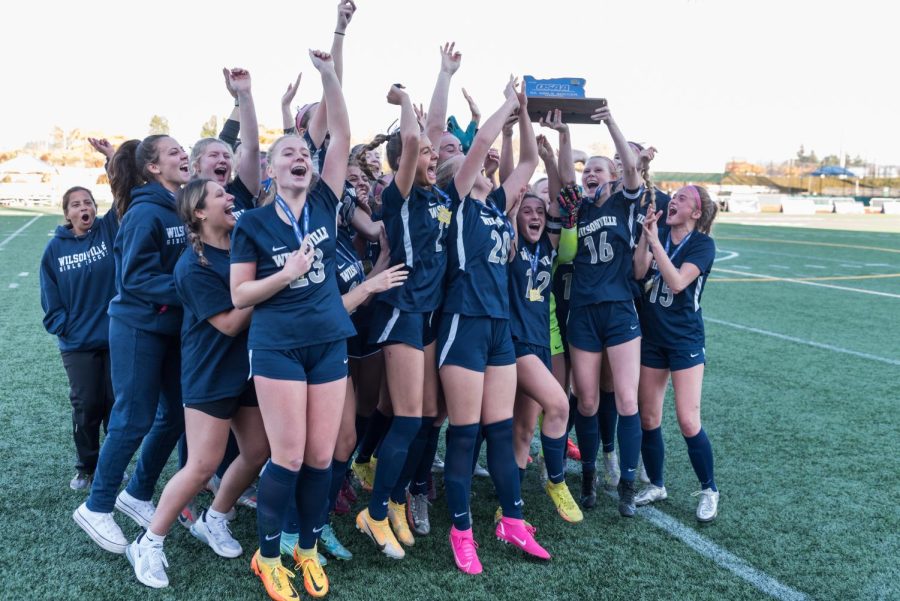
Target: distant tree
831	160
210	129
159	125
812	158
856	161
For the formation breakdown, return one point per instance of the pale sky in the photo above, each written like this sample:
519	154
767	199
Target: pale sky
702	80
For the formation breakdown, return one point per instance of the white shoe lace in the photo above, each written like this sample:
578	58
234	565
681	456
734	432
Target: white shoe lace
707	500
109	528
219	530
156	562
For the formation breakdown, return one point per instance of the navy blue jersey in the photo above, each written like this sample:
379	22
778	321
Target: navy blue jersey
416	229
348	268
529	291
603	262
243	199
214	366
662	204
316	154
78	279
675	320
478	240
308	311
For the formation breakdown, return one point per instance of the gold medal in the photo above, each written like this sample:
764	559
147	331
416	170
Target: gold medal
444	215
534	295
648	285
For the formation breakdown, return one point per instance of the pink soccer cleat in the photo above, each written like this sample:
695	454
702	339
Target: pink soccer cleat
515	532
464	551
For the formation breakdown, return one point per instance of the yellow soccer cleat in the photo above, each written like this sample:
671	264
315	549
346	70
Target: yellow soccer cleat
365	473
275	577
565	505
380	533
397	517
314	578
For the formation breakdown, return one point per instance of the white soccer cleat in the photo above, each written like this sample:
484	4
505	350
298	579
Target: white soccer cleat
650	494
708	508
611	472
102	529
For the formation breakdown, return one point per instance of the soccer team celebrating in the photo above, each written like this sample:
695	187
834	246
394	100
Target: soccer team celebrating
273	316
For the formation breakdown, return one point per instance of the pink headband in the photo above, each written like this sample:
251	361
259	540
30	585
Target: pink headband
301	112
695	194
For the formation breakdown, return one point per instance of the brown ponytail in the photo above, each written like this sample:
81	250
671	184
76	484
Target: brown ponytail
191	198
708	211
375	143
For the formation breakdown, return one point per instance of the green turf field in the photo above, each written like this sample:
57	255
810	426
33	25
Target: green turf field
801	405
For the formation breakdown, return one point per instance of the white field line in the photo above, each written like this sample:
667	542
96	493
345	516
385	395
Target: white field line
18	231
820	345
805	283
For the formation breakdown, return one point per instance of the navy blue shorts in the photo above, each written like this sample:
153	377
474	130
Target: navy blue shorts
659	357
595	327
391	325
315	364
227	408
541	352
359	347
474	342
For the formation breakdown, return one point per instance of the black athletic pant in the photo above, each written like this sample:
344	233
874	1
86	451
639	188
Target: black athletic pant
91	394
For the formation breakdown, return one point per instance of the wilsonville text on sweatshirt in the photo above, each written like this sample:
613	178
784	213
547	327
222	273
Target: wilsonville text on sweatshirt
77	283
150	240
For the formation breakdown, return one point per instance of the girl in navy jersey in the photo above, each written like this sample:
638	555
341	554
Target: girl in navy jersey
217	397
212	158
530	270
603	319
283	264
415	215
145	319
77	282
477	358
677	258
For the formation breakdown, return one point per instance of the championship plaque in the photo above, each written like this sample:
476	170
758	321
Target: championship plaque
563	93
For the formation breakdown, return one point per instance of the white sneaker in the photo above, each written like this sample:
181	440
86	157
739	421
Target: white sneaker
149	563
650	494
611	472
217	535
480	471
102	528
708	508
642	472
437	465
139	511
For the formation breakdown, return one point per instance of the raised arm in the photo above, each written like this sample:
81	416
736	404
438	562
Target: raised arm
507	160
630	176
287	118
318	124
334	172
566	165
409	138
248	168
528	150
548	156
472	164
436	120
231	129
642	255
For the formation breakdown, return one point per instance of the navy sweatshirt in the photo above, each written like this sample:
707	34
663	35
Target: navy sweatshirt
77	281
150	240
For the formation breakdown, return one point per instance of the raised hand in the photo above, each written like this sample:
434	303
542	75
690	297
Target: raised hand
421	115
300	261
511	86
545	149
397	94
226	72
473	108
450	59
239	80
346	9
288	97
645	157
510	123
491	163
102	146
387	279
602	114
523	99
321	60
554	121
651	226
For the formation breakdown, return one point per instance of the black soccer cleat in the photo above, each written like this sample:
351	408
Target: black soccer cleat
626	498
588	489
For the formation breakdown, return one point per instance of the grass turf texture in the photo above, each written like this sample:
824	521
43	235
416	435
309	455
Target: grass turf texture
806	442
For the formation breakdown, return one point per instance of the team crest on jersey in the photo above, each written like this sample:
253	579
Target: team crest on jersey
175	235
79	260
598	223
